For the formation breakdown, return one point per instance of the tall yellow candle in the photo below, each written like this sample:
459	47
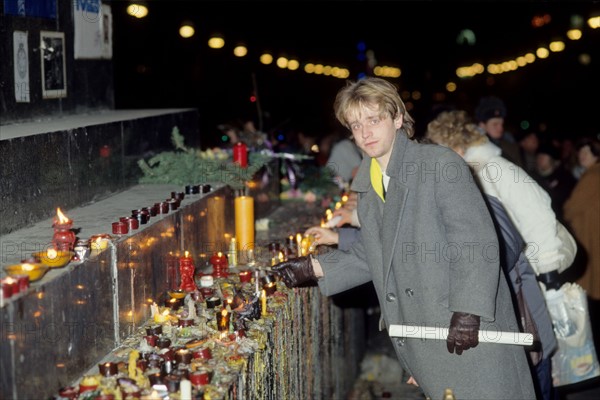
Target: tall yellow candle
244	222
263	301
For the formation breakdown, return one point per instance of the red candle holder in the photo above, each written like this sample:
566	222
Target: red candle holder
186	270
185	322
220	265
120	228
245	276
63	238
10	287
183	356
203	353
22	282
132	223
200	377
108	369
151	340
270	288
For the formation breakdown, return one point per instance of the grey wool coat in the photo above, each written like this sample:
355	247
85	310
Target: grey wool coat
431	249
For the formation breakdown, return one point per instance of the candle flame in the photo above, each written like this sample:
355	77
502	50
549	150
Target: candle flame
62	218
52	253
219	254
224	312
27	267
187	254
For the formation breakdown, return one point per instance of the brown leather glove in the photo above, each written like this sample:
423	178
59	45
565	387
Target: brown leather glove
463	333
295	271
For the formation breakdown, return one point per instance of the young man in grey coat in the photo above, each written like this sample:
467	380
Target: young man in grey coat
428	243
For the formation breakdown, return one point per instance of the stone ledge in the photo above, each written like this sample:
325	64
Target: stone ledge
21	129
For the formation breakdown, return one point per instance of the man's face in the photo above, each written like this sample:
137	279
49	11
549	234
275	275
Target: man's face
373	133
494	127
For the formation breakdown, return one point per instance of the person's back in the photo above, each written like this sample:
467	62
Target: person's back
519	273
344	159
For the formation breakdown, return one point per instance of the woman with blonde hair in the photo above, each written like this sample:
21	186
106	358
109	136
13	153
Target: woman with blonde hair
549	247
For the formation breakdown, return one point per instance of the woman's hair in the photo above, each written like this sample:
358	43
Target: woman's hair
454	129
372	92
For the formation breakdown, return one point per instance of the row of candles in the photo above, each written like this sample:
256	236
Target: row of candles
182	368
142	216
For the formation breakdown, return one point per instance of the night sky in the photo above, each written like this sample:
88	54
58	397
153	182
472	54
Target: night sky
155	68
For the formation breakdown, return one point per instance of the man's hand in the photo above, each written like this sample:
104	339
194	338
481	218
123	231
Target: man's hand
463	333
323	235
296	271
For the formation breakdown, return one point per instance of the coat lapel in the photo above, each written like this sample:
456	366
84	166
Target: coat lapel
395	201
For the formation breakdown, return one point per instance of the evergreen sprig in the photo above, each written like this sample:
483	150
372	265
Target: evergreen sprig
191	166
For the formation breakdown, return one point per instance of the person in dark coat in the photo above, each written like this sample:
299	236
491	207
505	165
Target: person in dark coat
429	246
554	177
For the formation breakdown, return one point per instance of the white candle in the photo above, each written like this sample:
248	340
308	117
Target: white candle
185	387
439	333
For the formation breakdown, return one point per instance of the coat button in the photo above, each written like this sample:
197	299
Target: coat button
400	342
390	297
409	292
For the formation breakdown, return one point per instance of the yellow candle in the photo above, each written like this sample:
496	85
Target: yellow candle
263	299
244	222
161	317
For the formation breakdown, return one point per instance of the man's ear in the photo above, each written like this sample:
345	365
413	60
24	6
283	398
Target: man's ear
398	121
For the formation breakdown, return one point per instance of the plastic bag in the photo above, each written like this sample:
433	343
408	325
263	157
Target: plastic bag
576	359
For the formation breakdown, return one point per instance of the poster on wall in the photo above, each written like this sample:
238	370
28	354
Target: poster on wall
87	21
106	32
21	66
54	70
31	8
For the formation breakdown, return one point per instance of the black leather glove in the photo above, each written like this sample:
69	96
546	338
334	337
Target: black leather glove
463	333
550	279
295	271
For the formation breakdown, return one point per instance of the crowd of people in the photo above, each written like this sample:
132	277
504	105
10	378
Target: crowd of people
415	204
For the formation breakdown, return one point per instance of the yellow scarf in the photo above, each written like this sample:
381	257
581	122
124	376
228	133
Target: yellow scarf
377	178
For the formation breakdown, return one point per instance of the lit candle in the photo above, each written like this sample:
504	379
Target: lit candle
223	318
244	221
186	270
233	252
220	264
98	243
10	287
245	276
299	244
263	299
108	369
161	318
63	238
